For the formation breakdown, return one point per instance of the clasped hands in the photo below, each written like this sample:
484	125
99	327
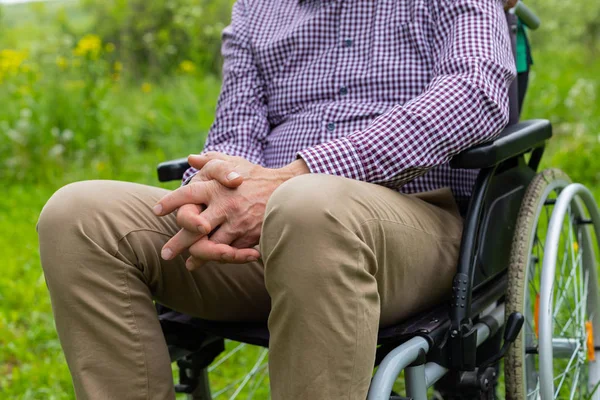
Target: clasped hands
221	210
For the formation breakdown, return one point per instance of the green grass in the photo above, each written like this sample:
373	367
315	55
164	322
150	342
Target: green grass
121	132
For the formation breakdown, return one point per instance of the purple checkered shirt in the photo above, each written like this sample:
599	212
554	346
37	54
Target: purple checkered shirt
380	91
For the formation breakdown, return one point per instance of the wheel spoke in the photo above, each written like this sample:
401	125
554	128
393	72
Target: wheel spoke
226	357
263	374
564	374
574	384
252	372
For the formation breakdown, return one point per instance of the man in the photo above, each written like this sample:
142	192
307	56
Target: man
324	200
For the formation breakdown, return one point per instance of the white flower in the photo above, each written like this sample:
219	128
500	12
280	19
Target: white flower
56	150
26	113
16	136
67	135
23	124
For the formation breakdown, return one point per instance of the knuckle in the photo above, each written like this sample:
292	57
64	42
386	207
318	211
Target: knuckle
189	190
231	203
196	251
180	219
211	165
200	176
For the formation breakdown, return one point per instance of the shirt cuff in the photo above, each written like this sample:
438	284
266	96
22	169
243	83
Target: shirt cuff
337	157
188	175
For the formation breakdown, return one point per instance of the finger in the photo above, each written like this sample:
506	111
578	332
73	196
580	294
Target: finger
209	219
202	222
244	242
179	243
223	172
222	235
195	192
198	161
188	218
205	250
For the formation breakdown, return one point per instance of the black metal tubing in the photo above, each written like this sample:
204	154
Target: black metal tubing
536	157
461	310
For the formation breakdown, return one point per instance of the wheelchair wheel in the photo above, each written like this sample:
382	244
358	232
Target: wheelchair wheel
240	372
558	362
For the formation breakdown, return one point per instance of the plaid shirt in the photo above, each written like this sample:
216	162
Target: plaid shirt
380	91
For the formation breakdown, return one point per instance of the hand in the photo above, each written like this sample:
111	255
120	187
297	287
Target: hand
510	4
188	214
237	213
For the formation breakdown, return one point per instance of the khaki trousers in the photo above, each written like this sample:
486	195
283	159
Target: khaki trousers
340	258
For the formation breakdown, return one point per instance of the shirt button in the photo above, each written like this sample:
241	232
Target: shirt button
330	126
343	90
348	43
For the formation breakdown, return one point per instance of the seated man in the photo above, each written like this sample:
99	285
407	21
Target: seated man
324	200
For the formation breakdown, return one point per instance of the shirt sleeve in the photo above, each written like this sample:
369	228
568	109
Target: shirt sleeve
240	124
465	103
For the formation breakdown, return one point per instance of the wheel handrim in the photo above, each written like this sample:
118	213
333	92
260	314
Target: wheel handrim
569	309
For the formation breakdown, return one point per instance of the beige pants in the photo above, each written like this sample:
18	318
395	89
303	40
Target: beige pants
339	259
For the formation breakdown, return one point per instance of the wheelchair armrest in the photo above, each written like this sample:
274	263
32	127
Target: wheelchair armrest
172	170
512	141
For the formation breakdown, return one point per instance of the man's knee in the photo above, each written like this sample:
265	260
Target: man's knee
73	220
306	202
306	223
66	208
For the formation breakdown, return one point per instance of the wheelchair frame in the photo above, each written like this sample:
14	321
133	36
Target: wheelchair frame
412	355
429	350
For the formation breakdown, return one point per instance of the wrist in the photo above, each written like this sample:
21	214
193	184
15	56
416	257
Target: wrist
297	167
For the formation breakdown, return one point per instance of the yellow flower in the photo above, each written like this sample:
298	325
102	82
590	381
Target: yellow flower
62	62
11	61
187	66
100	166
146	87
110	47
89	45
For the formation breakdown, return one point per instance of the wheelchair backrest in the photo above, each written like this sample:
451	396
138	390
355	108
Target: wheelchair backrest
501	205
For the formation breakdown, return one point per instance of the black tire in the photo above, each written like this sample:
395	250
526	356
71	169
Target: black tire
544	185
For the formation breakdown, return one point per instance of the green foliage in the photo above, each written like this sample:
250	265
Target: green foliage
565	88
66	106
157	36
567	24
98	92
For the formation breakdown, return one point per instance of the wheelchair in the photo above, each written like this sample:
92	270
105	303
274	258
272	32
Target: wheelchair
526	290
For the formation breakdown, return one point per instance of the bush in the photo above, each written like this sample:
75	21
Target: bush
67	108
157	36
567	24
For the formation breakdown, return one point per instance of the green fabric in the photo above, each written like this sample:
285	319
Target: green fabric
523	60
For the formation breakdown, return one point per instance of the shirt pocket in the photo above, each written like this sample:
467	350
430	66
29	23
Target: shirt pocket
391	25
